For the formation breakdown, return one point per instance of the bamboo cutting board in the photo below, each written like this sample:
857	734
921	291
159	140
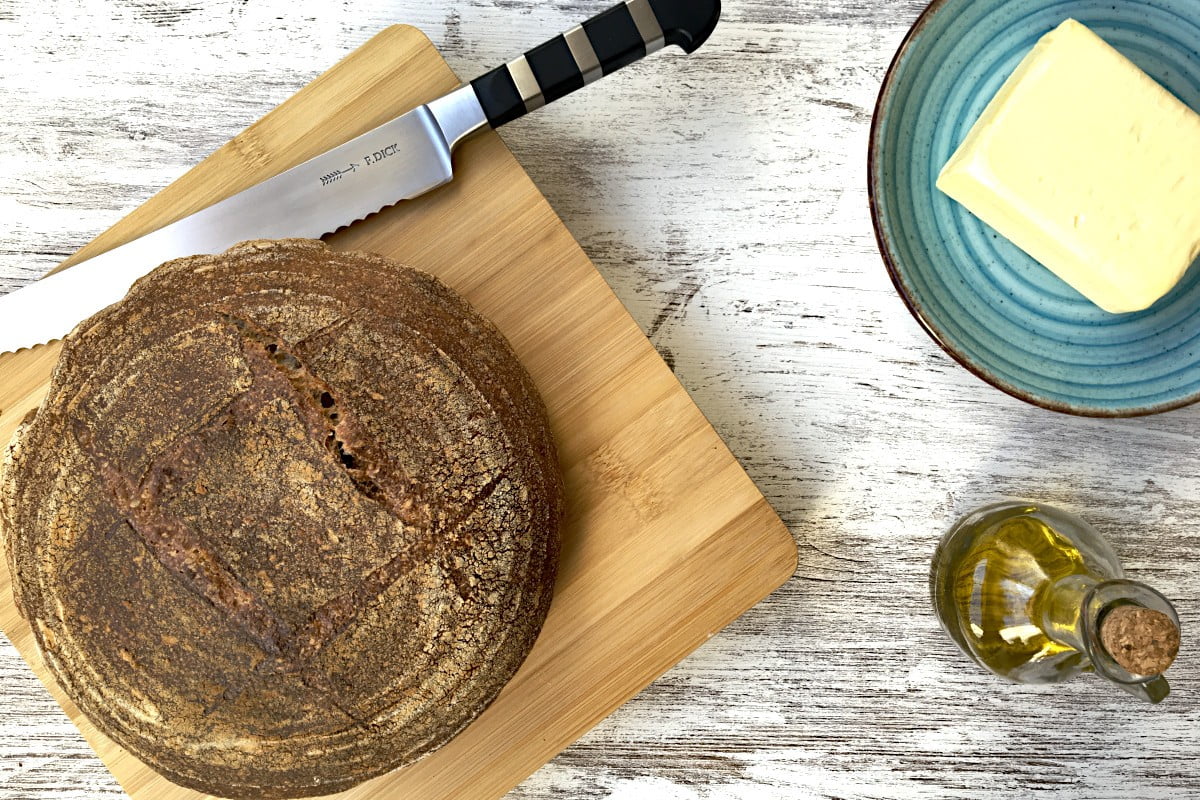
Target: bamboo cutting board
666	538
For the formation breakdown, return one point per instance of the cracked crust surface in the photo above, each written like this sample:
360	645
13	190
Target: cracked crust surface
286	520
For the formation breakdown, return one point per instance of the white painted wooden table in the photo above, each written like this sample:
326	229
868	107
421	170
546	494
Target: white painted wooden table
736	230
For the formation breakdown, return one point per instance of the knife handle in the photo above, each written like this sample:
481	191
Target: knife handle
605	43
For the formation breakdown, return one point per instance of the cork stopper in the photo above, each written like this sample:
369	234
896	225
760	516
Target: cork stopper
1141	640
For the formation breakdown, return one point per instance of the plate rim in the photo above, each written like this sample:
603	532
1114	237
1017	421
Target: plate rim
883	242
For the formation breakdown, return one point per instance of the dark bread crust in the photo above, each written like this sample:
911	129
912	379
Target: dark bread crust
292	520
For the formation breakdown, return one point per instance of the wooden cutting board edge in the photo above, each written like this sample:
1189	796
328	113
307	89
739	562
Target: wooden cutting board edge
756	578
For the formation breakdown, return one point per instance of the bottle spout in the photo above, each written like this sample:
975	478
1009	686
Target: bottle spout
1152	690
1131	635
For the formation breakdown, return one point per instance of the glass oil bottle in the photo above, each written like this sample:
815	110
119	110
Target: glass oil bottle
1036	595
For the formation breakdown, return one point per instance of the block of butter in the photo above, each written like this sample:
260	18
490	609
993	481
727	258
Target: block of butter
1090	167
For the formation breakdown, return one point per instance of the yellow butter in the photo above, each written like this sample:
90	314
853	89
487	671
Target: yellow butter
1090	167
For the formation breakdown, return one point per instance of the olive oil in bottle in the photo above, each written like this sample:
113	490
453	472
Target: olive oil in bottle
1025	590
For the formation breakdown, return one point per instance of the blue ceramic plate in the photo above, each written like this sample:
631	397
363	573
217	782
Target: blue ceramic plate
996	310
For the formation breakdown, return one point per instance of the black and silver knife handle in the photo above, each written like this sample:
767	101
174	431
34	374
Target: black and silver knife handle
612	39
603	44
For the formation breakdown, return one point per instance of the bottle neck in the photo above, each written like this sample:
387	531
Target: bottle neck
1073	611
1063	610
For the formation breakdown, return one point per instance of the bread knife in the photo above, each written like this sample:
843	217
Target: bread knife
399	160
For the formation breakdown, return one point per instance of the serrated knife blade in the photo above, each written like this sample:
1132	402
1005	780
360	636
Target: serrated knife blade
399	160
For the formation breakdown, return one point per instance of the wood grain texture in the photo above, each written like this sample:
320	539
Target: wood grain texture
723	197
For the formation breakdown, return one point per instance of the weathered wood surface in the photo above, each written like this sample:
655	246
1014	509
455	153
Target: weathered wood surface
723	196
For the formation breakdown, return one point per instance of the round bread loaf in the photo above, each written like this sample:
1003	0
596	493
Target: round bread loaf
287	519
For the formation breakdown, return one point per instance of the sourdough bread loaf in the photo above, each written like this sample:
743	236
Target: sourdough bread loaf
286	520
